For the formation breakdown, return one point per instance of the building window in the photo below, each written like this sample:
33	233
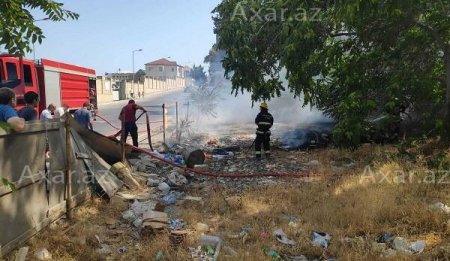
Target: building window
173	69
160	68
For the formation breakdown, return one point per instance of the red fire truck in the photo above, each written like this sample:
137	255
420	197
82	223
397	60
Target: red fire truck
55	82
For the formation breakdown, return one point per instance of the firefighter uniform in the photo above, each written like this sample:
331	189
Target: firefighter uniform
264	120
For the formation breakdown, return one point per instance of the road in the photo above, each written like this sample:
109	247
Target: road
153	104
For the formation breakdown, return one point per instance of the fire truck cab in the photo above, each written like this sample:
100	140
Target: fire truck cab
55	82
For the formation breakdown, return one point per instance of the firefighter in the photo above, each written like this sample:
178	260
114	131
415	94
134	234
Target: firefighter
264	120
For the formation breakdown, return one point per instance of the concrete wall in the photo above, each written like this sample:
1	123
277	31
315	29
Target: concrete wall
149	86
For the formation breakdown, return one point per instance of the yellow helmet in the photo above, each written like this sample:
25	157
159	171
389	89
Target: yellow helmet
264	105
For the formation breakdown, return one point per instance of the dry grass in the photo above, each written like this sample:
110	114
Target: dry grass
348	205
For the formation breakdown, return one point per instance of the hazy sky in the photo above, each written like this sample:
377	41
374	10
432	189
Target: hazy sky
107	32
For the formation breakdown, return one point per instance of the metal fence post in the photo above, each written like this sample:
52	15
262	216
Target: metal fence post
67	174
176	122
164	122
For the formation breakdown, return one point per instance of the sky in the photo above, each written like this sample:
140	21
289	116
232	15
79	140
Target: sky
107	32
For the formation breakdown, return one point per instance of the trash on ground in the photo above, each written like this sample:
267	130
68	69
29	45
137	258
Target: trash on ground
273	254
122	249
177	179
441	206
177	237
201	227
155	220
177	224
282	237
43	254
21	255
320	239
213	242
164	187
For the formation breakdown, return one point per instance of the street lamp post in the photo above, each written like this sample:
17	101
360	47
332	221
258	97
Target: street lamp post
132	80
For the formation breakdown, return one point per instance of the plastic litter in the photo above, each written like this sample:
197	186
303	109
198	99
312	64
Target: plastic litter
402	245
138	222
282	237
212	241
43	254
164	187
418	246
122	249
273	254
176	179
171	198
385	238
140	208
320	239
129	215
441	206
177	224
152	182
201	227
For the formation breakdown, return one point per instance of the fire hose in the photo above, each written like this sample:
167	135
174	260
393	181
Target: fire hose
203	173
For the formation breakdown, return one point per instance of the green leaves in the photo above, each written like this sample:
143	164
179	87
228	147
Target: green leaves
360	60
17	26
8	184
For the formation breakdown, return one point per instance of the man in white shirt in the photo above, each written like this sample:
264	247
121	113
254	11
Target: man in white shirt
47	113
61	111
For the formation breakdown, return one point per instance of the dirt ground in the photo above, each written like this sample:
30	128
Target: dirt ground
354	196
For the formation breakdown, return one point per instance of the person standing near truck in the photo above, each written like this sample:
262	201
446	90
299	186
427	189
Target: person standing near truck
84	117
28	113
128	118
7	113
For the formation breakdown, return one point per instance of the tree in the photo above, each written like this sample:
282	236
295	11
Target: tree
352	59
198	74
18	30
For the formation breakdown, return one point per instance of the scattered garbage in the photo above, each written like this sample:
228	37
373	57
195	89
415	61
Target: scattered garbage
104	248
129	215
229	251
171	198
273	254
43	254
298	258
155	220
201	227
213	242
177	224
441	206
418	246
282	237
385	238
320	239
152	182
21	255
122	249
177	237
177	179
138	222
140	208
164	187
402	245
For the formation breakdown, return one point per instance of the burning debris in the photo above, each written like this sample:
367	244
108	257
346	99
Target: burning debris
318	135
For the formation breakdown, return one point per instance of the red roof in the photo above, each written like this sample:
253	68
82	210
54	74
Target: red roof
163	61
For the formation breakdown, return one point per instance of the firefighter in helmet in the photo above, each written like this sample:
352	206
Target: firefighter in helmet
264	120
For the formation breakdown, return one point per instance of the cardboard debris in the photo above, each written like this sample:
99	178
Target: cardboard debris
155	220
